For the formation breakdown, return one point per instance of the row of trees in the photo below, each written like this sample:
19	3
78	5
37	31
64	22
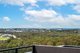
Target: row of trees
42	38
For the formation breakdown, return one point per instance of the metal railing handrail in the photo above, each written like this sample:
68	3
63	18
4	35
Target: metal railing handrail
16	48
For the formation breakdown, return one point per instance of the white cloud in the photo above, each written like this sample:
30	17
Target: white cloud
77	8
74	17
50	16
71	1
55	2
46	16
42	16
61	2
33	2
18	2
6	19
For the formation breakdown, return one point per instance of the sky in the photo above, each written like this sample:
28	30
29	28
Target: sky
39	13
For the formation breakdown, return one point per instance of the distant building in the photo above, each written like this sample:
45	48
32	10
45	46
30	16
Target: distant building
8	35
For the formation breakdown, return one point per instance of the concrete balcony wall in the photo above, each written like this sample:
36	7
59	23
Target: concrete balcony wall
51	49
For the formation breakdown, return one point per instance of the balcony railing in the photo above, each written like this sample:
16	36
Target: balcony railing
44	49
16	50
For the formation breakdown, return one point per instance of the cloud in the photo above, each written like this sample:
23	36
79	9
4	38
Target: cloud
18	2
41	16
6	19
55	2
33	2
77	8
74	17
44	15
51	16
60	2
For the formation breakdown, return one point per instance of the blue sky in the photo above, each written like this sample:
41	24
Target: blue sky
39	14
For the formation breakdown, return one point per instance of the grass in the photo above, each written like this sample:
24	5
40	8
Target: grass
4	38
